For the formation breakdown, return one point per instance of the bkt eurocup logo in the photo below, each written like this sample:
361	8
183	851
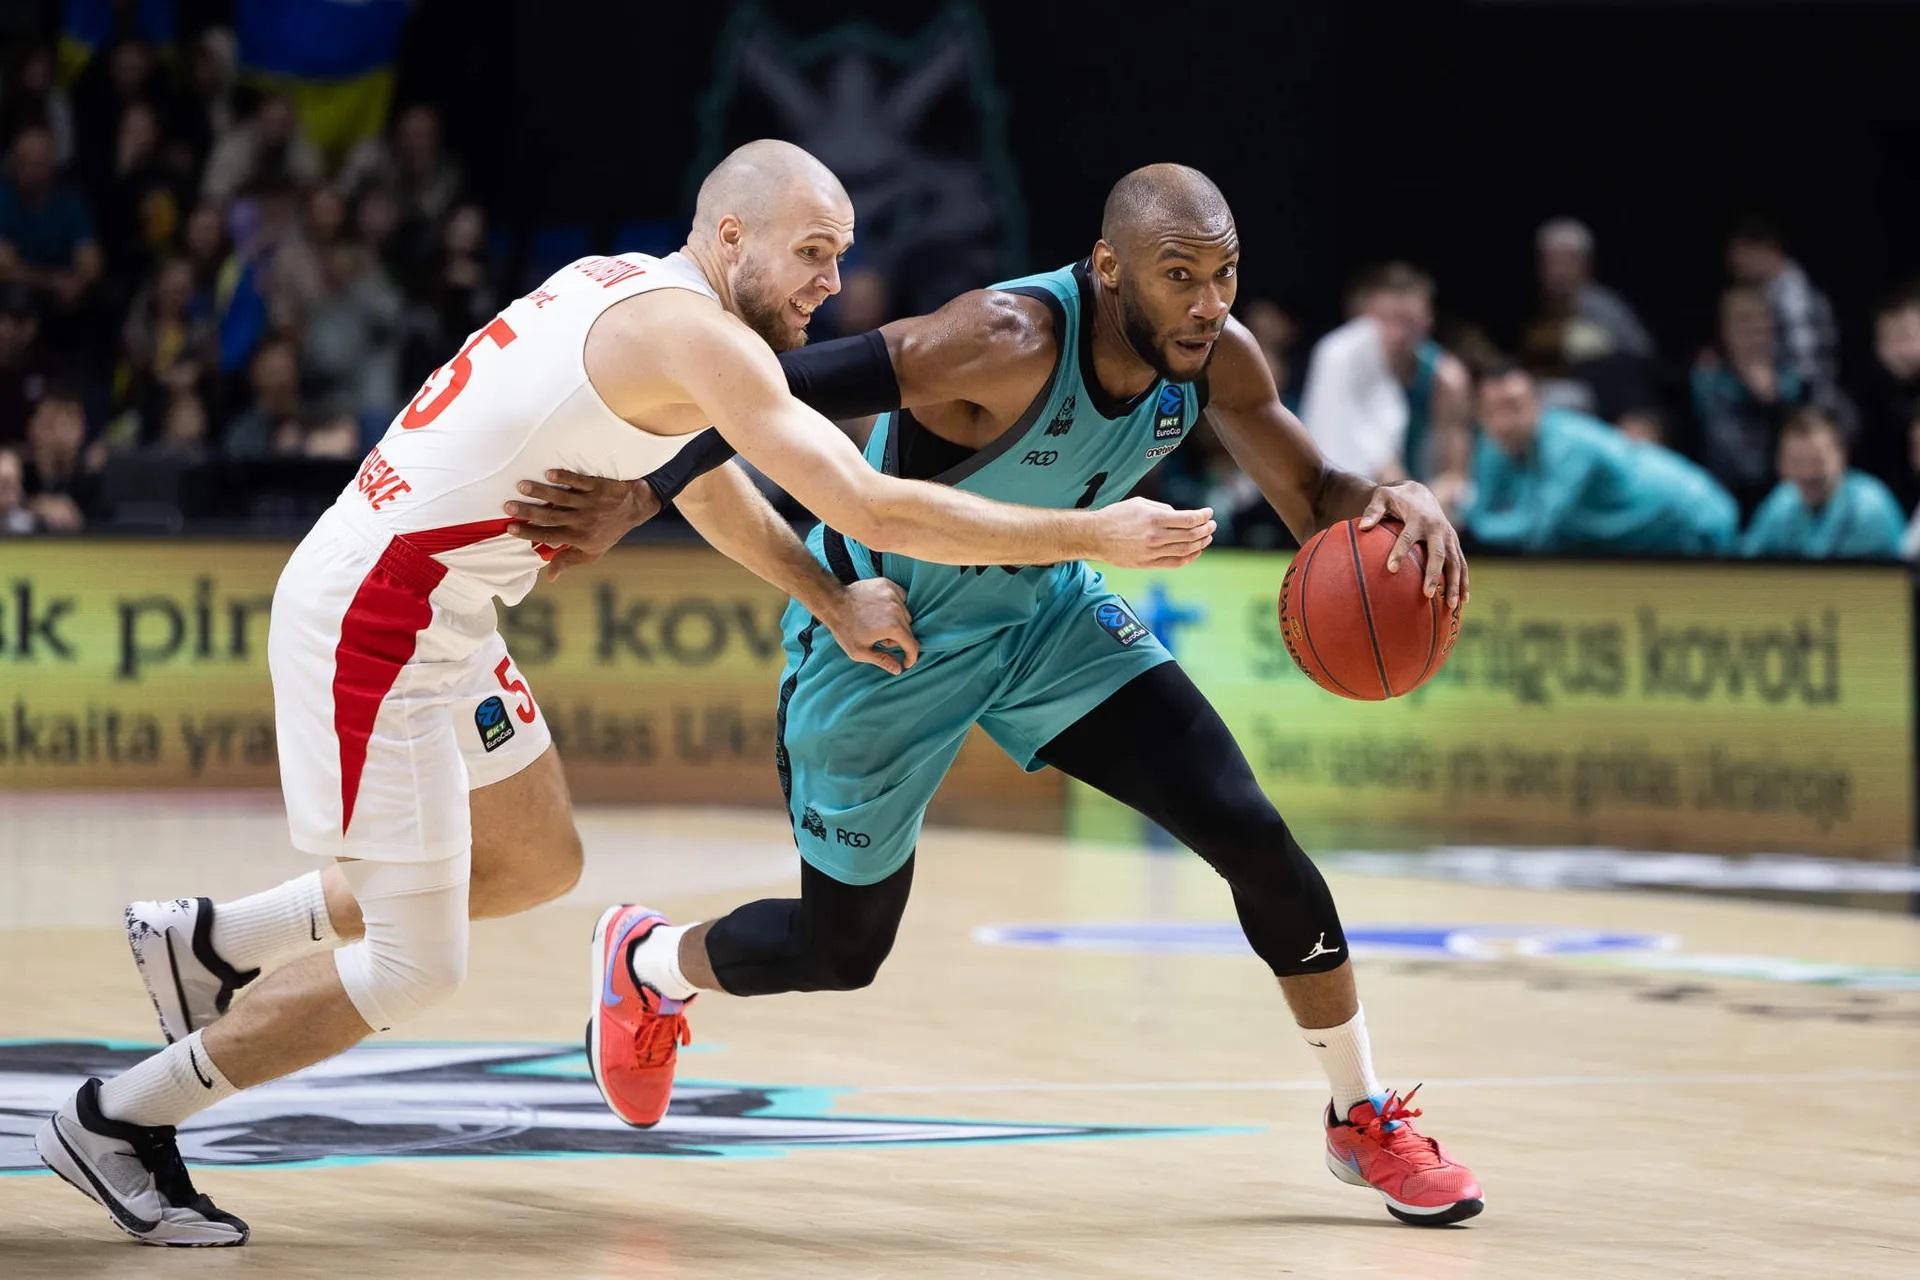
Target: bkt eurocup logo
413	1102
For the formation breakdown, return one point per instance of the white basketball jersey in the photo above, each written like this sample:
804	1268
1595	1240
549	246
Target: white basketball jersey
512	404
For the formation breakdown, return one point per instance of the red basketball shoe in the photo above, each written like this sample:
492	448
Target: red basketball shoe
634	1033
1377	1146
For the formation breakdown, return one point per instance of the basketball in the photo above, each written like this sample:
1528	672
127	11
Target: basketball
1356	629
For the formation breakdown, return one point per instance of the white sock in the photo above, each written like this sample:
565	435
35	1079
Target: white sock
167	1088
283	923
656	962
1347	1059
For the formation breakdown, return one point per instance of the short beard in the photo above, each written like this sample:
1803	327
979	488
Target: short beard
762	316
1138	331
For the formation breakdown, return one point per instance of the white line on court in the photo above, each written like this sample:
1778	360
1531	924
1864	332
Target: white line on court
1465	1082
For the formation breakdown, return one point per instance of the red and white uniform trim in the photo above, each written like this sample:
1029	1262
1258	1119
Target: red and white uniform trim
394	694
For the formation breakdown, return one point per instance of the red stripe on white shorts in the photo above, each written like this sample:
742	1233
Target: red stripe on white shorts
378	636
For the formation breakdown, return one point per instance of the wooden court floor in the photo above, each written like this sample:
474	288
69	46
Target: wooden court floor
994	1110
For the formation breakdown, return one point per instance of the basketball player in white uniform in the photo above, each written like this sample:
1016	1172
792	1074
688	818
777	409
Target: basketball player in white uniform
412	753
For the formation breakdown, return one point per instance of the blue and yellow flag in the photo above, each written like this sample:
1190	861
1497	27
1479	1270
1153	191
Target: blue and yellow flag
334	58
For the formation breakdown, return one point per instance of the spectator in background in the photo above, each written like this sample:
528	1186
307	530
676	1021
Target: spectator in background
15	518
413	171
142	202
1551	479
169	347
60	485
1647	425
1821	509
377	225
183	429
350	342
123	76
31	95
1809	340
1276	333
456	298
207	112
862	304
268	150
270	424
46	229
1741	392
1382	399
23	373
1584	332
1893	400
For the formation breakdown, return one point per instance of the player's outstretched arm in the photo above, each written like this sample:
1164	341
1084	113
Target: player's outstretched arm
1272	446
721	366
732	515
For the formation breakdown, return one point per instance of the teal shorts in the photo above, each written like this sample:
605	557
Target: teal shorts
861	752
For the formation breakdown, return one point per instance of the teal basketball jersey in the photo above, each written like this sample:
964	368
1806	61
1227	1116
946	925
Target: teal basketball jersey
1073	447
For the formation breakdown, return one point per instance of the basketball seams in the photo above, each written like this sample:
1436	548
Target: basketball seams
1306	632
1366	608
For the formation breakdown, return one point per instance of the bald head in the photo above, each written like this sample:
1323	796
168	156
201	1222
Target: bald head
773	222
761	181
1160	200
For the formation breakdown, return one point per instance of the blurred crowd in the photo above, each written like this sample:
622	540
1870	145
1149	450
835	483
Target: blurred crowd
195	299
205	315
1582	435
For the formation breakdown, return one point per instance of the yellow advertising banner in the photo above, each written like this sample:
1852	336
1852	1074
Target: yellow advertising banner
134	664
1664	705
1711	707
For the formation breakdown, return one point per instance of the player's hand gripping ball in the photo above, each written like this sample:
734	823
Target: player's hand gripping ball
1356	629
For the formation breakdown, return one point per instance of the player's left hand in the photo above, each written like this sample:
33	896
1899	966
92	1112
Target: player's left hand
1422	524
870	613
582	515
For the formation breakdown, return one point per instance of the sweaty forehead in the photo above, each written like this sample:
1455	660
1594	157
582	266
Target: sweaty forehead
1212	237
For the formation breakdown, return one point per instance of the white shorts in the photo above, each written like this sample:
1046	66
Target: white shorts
393	695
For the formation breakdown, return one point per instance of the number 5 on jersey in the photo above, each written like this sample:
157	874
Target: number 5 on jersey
450	379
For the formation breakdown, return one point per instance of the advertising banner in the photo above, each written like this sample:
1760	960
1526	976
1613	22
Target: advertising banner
136	664
1661	705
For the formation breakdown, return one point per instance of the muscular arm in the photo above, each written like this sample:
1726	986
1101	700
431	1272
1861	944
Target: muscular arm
727	510
1307	491
730	513
680	348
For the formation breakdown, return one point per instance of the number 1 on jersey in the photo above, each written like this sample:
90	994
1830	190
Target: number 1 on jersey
424	410
1093	491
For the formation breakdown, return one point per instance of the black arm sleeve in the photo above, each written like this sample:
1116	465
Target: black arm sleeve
700	455
845	378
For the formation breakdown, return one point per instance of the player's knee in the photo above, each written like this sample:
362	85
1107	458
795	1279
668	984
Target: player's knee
558	869
413	954
851	965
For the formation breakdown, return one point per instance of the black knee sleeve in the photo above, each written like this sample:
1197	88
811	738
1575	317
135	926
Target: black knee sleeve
833	937
1184	771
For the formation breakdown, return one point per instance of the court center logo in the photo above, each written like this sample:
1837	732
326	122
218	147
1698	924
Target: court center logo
415	1102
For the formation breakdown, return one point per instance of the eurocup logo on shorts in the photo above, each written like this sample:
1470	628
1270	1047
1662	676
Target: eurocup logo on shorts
490	717
1172	407
1114	618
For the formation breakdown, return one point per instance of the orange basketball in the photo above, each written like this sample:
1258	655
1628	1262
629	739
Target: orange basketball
1356	629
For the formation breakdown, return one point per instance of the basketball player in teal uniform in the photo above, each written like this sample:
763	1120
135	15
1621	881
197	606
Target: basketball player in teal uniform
1060	389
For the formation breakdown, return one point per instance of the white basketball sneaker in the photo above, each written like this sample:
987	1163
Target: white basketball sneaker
172	944
135	1171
